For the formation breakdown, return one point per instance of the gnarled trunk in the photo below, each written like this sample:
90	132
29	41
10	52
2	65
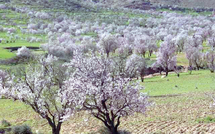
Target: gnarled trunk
110	119
114	130
56	129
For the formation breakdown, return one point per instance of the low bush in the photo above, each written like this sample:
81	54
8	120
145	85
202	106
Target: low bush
5	123
207	119
23	129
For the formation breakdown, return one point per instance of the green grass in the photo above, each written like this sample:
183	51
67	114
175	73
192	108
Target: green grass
20	43
17	113
4	67
6	54
198	81
207	119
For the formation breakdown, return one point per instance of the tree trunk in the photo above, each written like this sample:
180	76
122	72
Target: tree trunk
190	71
142	79
114	130
190	68
197	66
150	53
107	54
56	129
178	74
144	54
167	72
142	74
160	72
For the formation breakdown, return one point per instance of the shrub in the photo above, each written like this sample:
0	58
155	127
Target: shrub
23	129
5	123
207	119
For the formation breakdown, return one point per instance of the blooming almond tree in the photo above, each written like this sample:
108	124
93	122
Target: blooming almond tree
108	97
210	58
44	88
180	42
210	55
141	45
125	47
211	43
152	47
166	57
108	43
135	66
193	51
24	52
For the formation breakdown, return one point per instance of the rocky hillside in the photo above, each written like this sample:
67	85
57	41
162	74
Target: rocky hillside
187	3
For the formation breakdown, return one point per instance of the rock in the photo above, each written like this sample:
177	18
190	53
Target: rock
164	76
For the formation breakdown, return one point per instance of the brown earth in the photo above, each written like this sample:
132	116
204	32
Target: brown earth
169	115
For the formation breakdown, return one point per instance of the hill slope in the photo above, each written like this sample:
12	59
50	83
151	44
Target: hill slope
187	3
